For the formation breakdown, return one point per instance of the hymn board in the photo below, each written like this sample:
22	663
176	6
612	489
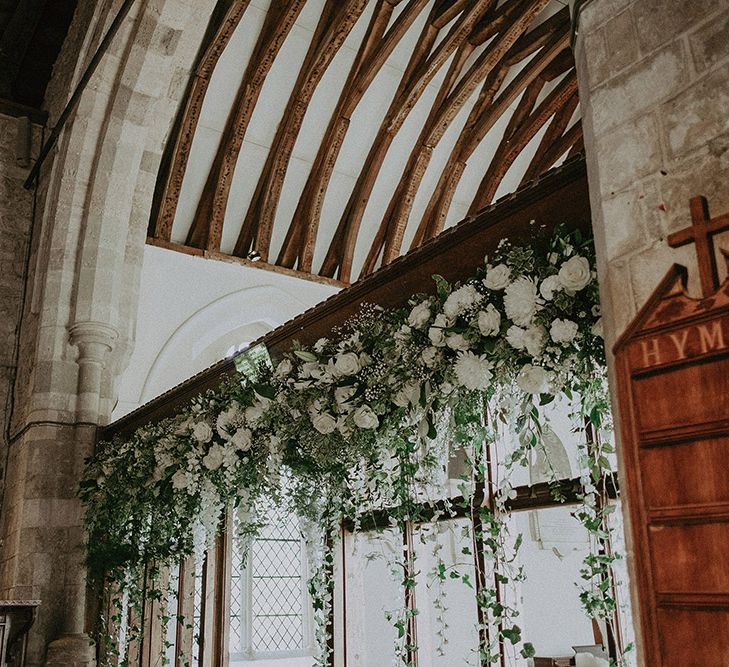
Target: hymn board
673	389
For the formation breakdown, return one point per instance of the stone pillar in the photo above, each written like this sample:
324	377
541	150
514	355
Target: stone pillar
653	81
94	341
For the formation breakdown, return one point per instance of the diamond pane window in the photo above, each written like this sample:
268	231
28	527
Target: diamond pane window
269	608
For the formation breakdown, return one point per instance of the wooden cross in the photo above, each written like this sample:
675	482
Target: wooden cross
701	232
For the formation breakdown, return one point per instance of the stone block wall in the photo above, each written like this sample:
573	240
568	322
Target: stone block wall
654	90
16	209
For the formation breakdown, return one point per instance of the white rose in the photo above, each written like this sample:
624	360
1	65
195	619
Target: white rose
242	440
574	274
283	369
497	277
420	315
533	379
520	301
563	331
489	321
436	333
343	394
254	412
214	458
365	418
202	432
461	300
457	341
409	394
180	480
226	421
549	286
473	371
323	422
347	363
430	356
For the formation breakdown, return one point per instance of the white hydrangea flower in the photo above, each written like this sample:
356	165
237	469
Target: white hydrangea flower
521	301
497	277
419	315
489	321
473	371
320	345
461	300
323	422
533	379
347	363
575	274
202	432
549	286
364	417
563	331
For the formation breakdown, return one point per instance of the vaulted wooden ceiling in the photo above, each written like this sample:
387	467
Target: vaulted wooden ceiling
330	136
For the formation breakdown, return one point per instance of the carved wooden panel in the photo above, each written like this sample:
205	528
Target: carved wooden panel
673	374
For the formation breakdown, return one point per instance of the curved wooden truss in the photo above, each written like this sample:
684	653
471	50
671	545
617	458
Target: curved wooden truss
492	61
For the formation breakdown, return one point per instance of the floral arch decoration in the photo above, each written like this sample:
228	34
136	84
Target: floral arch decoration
360	422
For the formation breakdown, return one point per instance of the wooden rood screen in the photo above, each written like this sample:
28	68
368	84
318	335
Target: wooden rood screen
673	368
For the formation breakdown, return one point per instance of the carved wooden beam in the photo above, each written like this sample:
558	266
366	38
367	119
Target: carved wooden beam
421	69
223	23
371	56
545	157
511	147
207	227
335	23
440	118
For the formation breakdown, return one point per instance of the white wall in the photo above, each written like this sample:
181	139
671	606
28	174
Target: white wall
193	310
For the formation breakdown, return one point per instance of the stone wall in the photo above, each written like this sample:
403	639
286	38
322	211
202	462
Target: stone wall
16	208
654	91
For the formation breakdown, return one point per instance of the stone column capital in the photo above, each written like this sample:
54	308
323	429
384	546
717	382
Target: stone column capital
93	338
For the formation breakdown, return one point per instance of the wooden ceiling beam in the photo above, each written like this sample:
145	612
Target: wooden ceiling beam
511	147
335	23
207	226
227	16
421	69
544	156
435	127
371	56
480	121
538	37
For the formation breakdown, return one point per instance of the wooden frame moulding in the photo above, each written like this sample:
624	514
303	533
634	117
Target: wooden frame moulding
560	196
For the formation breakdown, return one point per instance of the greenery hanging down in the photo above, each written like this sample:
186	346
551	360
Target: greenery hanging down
365	420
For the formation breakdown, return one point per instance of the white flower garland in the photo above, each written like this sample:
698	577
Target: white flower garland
352	418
